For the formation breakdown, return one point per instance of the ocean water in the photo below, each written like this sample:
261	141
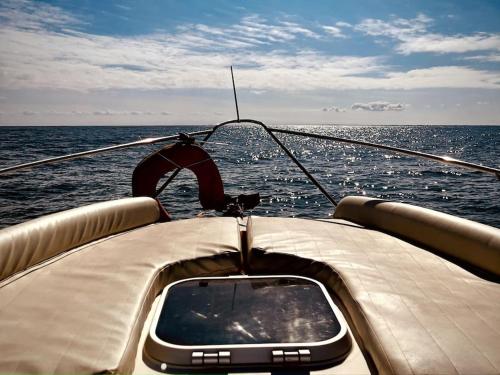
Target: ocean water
250	162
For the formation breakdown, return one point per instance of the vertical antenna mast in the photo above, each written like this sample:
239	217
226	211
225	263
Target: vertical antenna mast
235	99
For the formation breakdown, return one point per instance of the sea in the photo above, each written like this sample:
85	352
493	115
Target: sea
250	162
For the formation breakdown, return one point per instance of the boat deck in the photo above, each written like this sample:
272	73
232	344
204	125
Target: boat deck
77	287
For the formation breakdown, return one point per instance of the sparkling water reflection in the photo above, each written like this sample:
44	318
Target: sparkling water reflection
250	162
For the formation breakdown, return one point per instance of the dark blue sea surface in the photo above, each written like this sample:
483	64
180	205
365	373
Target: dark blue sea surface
250	162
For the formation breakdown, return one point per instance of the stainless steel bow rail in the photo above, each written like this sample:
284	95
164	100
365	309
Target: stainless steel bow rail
141	142
285	149
441	159
271	131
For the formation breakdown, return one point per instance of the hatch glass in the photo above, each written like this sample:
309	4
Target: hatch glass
246	311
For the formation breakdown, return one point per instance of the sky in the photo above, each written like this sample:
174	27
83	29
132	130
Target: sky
152	62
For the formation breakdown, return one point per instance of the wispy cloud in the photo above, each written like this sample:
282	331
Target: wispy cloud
257	27
51	61
104	112
43	55
108	112
334	31
250	31
484	58
134	68
39	16
48	59
123	7
333	109
397	28
444	76
414	37
378	106
297	29
441	44
343	24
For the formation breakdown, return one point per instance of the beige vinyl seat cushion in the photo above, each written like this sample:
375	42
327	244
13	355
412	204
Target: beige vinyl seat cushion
82	311
26	244
412	311
473	244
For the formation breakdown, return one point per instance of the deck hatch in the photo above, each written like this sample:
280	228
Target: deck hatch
249	319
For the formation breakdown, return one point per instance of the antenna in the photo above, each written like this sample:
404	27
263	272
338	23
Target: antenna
235	99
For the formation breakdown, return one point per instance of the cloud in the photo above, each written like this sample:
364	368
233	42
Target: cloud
378	106
484	58
135	68
108	112
441	44
334	31
444	77
50	60
414	37
250	31
343	24
197	56
295	28
105	112
398	28
123	7
333	109
35	16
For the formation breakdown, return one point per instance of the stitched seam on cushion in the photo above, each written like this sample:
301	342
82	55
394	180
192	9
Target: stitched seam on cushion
446	262
151	283
457	327
475	312
463	332
430	335
54	259
367	321
374	334
359	308
422	325
370	234
404	249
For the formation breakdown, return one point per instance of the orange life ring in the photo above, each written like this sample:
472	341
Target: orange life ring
180	155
